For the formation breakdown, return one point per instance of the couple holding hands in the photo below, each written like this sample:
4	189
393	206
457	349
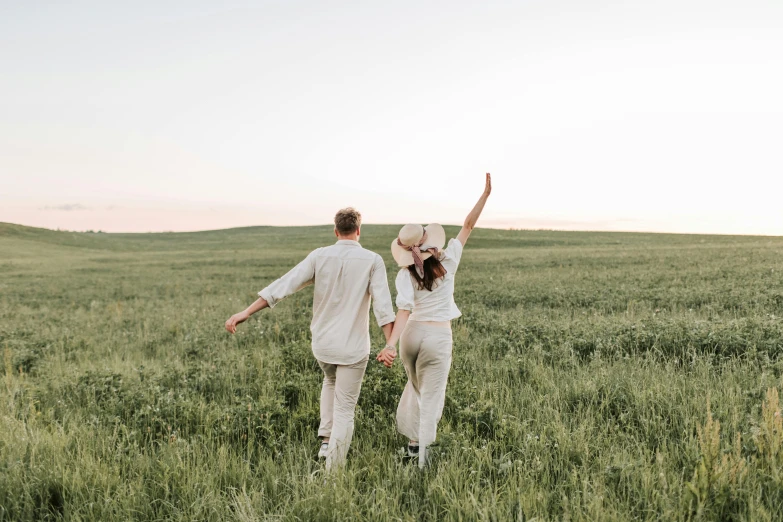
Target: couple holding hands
347	279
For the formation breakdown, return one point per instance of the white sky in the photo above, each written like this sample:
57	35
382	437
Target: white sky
590	114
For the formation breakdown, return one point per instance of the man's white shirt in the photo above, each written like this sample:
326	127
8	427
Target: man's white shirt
347	279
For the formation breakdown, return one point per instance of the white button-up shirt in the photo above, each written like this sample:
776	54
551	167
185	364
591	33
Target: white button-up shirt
347	278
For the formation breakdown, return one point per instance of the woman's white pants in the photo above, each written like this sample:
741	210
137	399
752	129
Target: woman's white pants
425	351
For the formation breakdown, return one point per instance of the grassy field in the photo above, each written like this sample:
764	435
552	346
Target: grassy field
596	376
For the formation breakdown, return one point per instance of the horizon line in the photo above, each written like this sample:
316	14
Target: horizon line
509	229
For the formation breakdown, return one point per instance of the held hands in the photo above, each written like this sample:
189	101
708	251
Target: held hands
387	356
234	320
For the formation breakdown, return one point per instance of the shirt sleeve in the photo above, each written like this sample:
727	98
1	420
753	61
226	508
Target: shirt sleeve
379	291
297	278
405	294
454	251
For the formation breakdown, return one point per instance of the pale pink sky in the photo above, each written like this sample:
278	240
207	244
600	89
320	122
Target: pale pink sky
600	115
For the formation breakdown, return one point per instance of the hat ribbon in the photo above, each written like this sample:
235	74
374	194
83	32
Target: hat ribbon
417	252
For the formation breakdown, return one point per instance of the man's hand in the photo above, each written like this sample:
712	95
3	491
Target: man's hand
488	185
244	315
234	320
387	356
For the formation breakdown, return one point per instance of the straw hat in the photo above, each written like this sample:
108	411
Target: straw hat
411	235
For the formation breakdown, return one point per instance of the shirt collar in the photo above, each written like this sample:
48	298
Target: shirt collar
348	242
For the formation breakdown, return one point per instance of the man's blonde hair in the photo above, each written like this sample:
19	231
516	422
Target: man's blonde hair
347	221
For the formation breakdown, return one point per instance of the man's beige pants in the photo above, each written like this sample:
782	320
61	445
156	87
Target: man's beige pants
425	351
339	395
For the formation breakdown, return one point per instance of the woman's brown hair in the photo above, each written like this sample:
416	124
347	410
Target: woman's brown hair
433	270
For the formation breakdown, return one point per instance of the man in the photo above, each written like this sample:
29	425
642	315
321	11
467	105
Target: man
346	277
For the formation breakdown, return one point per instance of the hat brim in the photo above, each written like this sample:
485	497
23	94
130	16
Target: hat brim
436	237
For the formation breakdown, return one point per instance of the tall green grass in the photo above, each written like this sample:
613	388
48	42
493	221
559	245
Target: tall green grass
596	376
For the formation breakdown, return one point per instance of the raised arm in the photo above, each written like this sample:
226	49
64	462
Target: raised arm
472	218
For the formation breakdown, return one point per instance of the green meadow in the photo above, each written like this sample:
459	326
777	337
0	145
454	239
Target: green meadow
596	376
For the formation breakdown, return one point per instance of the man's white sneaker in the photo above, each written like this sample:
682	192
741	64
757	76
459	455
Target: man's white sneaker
324	449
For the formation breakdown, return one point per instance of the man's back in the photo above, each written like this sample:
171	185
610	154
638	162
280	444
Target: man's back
346	277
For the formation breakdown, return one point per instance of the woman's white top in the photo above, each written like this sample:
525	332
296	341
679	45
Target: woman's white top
437	305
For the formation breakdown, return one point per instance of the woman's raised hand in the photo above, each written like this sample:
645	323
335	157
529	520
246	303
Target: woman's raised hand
470	221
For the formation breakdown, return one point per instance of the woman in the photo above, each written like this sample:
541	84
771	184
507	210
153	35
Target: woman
425	308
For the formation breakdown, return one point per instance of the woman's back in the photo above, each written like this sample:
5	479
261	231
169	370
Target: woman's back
435	305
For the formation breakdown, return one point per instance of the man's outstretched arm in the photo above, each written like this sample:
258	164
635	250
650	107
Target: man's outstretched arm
244	315
297	278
